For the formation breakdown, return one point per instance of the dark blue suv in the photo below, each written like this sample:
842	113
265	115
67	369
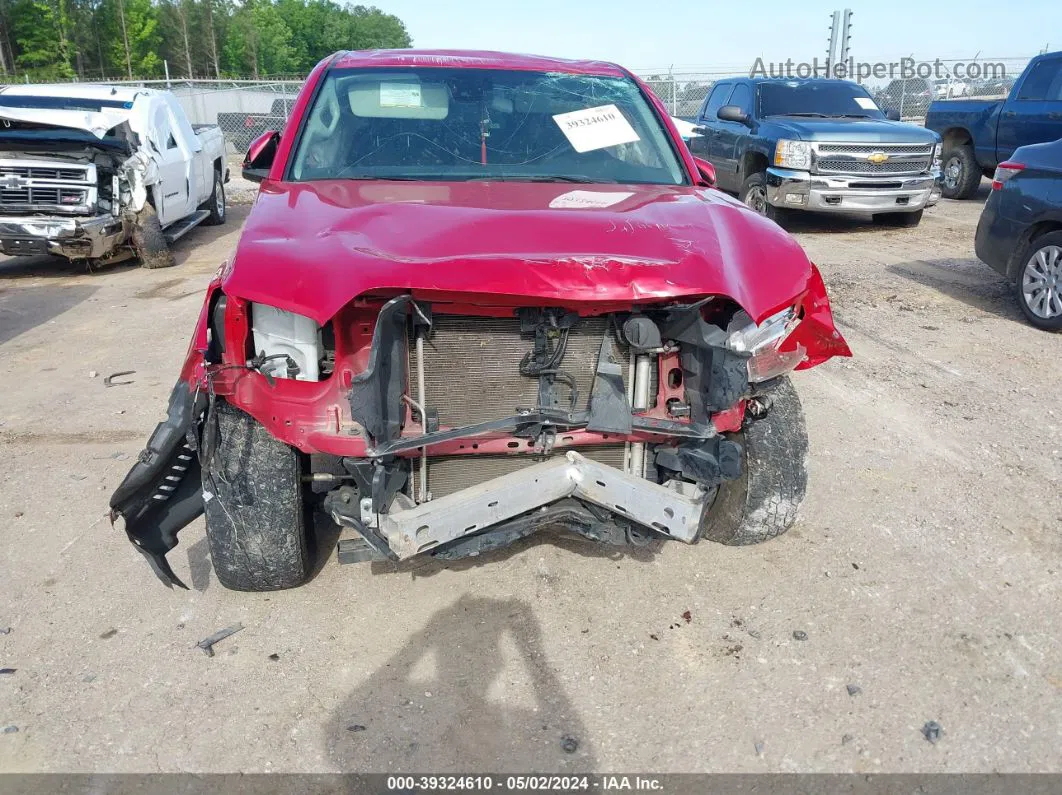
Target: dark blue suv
1020	231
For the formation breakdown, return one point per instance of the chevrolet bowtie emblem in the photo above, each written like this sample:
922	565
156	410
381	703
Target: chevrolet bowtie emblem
12	182
877	157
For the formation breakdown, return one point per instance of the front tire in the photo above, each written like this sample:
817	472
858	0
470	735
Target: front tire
1039	282
899	219
754	196
149	242
762	503
962	175
255	519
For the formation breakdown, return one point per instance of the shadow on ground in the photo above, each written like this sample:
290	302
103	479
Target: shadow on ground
24	308
473	690
968	281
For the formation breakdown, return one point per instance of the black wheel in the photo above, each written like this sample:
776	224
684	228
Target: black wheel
899	219
961	174
754	195
1039	282
252	493
763	502
215	204
149	242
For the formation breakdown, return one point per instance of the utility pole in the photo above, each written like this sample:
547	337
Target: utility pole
846	36
831	48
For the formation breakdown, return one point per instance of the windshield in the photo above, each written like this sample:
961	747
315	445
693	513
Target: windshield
817	98
481	124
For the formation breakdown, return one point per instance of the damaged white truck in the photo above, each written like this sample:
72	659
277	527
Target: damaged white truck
99	174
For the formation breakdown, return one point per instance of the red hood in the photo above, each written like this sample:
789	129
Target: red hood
313	247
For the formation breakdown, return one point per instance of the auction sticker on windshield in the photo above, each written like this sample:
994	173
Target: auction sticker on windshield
866	103
400	95
596	128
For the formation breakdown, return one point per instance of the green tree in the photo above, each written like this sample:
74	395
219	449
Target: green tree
259	41
132	30
129	39
40	30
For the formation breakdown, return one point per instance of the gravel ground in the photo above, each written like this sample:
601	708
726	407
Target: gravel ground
923	577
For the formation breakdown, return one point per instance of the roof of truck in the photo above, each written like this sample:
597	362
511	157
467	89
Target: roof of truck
473	59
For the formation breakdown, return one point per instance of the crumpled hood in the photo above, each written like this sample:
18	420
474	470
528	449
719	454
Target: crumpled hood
98	123
313	247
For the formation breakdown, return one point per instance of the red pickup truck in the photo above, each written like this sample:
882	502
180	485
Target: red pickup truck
481	295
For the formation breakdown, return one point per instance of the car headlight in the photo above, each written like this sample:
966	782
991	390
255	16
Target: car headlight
290	343
936	154
763	341
792	154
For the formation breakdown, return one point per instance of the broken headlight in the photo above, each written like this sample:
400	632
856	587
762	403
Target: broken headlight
763	341
289	345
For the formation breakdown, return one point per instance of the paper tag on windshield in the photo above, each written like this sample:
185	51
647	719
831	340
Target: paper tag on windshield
596	128
588	199
866	103
400	95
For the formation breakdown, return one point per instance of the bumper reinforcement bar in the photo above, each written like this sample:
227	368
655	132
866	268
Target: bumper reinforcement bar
476	509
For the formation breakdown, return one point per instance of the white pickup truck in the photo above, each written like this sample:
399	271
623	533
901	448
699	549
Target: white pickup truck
100	173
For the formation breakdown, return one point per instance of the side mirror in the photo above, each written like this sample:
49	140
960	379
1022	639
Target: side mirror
733	113
706	171
260	154
892	115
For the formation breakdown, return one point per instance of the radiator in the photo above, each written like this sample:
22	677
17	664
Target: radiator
472	366
472	375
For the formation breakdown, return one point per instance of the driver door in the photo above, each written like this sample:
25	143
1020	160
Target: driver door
173	196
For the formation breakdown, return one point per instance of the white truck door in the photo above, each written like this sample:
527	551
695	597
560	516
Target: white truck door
174	195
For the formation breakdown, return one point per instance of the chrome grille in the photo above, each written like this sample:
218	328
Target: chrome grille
45	172
453	473
42	196
865	167
866	149
843	158
41	186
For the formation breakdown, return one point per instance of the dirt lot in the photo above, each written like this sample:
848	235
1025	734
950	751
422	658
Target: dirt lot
925	570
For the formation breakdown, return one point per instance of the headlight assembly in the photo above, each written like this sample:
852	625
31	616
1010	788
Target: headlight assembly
793	154
280	333
763	342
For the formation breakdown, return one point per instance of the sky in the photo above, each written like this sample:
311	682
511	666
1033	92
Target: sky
713	36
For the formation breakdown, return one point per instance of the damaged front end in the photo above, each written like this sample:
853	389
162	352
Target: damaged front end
430	424
70	195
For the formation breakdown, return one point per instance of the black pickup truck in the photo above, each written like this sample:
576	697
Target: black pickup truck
816	144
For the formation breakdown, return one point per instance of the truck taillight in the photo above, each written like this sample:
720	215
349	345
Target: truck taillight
1004	171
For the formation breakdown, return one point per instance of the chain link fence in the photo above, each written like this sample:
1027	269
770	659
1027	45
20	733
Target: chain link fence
246	108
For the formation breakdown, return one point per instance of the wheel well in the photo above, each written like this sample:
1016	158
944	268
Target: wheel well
218	166
753	163
956	136
1035	231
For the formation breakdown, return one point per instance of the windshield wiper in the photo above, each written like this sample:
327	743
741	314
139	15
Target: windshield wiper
559	178
817	115
375	178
